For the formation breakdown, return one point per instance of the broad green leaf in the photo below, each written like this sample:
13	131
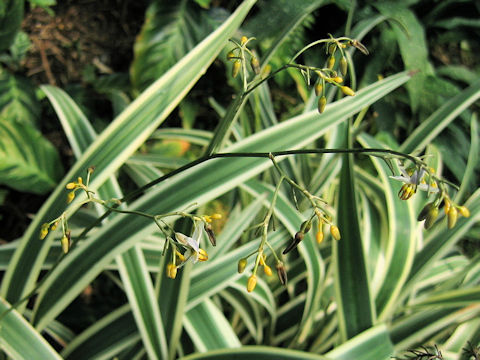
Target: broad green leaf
411	39
17	99
355	313
373	343
170	31
440	119
257	353
208	328
28	162
199	184
112	148
11	16
19	339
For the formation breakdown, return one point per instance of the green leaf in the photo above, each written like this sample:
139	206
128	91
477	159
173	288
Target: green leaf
452	298
208	328
131	264
200	184
113	147
17	99
19	339
440	119
171	30
11	16
105	338
28	162
411	40
257	353
355	313
373	343
399	249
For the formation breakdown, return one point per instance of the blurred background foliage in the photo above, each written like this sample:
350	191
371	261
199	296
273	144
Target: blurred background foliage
105	54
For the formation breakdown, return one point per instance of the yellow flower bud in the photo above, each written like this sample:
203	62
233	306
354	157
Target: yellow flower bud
252	282
255	64
447	206
54	226
335	232
242	263
44	231
268	270
332	48
343	66
65	243
243	40
463	210
322	103
70	186
338	79
236	67
318	88
230	55
452	217
347	91
430	217
331	62
320	237
70	197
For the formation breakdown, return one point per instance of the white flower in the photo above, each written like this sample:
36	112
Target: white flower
413	182
194	253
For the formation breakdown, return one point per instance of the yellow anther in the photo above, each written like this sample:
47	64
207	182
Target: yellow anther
216	216
80	180
202	255
179	256
207	218
252	282
171	271
243	40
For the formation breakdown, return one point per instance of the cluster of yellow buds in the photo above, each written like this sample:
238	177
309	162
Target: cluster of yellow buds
262	261
52	225
74	186
238	56
430	212
329	75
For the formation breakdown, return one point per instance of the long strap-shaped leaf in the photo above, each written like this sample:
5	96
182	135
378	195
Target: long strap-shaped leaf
133	271
19	339
352	288
199	184
111	149
441	118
